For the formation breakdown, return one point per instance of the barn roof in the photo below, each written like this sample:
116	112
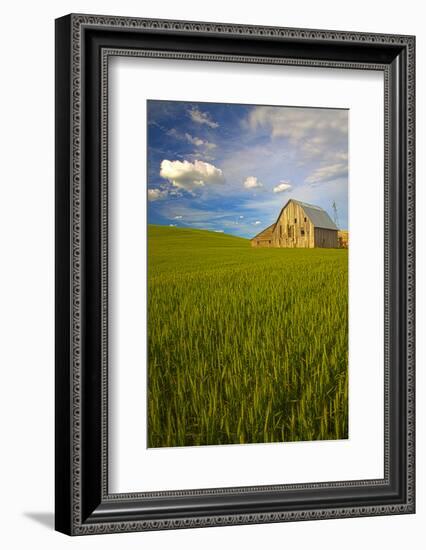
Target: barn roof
317	215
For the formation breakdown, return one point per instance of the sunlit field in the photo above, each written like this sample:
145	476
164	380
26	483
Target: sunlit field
245	345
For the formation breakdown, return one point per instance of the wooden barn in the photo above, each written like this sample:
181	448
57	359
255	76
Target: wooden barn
299	225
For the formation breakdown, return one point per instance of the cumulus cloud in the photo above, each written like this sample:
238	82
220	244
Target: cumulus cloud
202	118
190	175
178	217
241	217
251	182
328	172
281	187
157	194
257	222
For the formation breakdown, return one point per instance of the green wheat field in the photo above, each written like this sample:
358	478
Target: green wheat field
245	345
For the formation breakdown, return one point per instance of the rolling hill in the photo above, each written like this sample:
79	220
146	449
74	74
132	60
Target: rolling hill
245	345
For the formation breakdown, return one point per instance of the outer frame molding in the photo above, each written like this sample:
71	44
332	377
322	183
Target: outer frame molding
83	45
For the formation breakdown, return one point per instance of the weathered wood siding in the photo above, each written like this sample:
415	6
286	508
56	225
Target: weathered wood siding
325	238
343	238
293	228
263	239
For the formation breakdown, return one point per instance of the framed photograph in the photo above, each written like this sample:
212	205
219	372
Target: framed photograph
234	274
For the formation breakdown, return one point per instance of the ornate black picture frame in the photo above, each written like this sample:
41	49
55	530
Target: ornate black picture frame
84	44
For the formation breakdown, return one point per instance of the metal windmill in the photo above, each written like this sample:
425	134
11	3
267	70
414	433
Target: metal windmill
335	214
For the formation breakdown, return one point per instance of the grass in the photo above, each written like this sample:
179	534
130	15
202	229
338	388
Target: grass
245	345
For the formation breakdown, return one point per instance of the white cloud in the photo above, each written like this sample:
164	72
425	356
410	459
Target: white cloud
257	222
328	172
202	118
298	123
194	140
281	187
191	213
178	217
173	132
198	142
315	132
157	194
251	182
198	155
190	175
241	217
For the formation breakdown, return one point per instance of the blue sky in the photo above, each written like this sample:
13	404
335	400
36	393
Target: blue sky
230	168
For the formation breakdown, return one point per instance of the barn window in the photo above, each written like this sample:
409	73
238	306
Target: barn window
306	219
295	220
281	231
302	232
